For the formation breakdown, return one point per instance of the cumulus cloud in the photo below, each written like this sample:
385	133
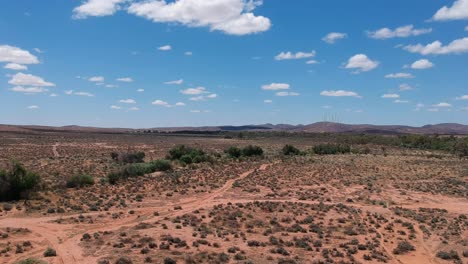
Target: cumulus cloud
457	46
194	91
294	56
312	62
443	105
22	79
401	101
203	98
86	94
459	10
33	107
188	53
125	79
275	86
97	8
29	90
140	90
267	101
127	101
463	97
332	37
391	96
400	32
340	93
422	64
165	48
232	17
115	107
177	82
98	79
361	63
11	54
399	75
15	66
287	94
166	104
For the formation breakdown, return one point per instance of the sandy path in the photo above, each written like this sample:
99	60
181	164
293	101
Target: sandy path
54	150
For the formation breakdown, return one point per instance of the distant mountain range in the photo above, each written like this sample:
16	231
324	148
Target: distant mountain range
320	127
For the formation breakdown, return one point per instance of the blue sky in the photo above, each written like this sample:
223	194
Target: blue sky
133	63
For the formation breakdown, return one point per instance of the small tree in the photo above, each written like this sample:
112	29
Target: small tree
290	150
234	152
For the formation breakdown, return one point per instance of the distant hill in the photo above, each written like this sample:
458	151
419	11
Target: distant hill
319	127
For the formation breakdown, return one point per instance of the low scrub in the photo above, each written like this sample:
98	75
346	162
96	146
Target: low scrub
78	181
331	149
187	155
17	183
290	150
248	151
138	169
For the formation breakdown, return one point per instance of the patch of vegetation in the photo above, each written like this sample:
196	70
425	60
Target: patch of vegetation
234	152
50	252
138	169
451	255
331	149
31	261
290	150
403	248
126	157
17	183
251	151
81	180
187	155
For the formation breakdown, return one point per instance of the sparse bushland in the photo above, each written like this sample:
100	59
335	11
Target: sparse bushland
187	155
17	183
331	149
290	150
126	157
31	261
79	181
451	255
138	169
403	248
248	151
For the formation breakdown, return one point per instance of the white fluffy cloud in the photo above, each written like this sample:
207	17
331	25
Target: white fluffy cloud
15	66
275	86
332	37
165	48
463	97
124	79
115	107
97	8
267	101
459	10
166	104
422	64
96	79
405	87
140	90
177	82
391	96
443	104
399	75
203	98
33	107
71	92
22	79
457	46
287	94
294	56
127	101
340	93
400	32
29	90
401	101
360	62
232	17
194	91
16	55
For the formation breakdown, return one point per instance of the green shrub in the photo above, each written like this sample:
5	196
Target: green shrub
78	181
452	255
403	248
250	151
234	152
50	252
31	261
331	149
17	183
187	155
138	169
290	150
